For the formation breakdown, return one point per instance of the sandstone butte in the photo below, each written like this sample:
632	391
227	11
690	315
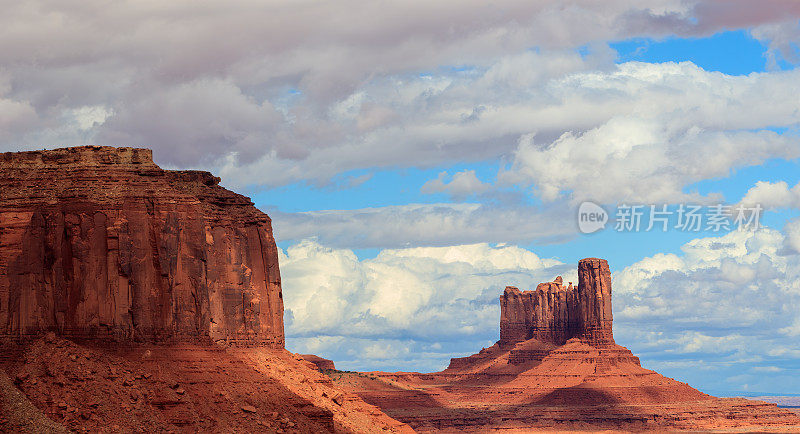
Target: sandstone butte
137	299
557	367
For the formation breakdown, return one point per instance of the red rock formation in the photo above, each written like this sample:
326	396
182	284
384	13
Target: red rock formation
594	300
321	363
556	367
554	313
101	242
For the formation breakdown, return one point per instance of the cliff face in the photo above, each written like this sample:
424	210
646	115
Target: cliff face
101	242
594	298
555	313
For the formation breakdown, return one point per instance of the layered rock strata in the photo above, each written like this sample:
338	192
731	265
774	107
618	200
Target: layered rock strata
320	363
101	242
555	313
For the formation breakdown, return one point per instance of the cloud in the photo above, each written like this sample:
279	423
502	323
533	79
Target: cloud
15	115
269	94
725	272
439	224
728	301
772	195
404	301
792	330
579	127
776	196
201	121
663	127
768	369
792	242
462	184
782	39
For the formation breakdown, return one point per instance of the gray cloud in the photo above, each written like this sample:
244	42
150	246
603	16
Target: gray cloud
427	225
260	91
199	122
461	185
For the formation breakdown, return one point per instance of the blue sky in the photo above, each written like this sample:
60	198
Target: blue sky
728	52
417	157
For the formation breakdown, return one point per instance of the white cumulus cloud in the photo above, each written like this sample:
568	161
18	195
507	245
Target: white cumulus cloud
725	302
656	129
772	195
403	299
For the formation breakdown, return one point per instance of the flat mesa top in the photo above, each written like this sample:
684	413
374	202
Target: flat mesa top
71	178
78	155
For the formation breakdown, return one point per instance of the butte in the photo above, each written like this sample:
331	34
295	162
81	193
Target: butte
557	367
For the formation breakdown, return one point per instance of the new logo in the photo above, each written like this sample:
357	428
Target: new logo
591	217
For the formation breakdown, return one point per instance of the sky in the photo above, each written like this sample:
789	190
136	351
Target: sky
416	157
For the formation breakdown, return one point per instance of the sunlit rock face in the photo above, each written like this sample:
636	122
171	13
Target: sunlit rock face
101	242
555	313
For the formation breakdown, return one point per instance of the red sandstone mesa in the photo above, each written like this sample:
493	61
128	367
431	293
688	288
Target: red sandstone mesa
100	242
557	367
142	269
